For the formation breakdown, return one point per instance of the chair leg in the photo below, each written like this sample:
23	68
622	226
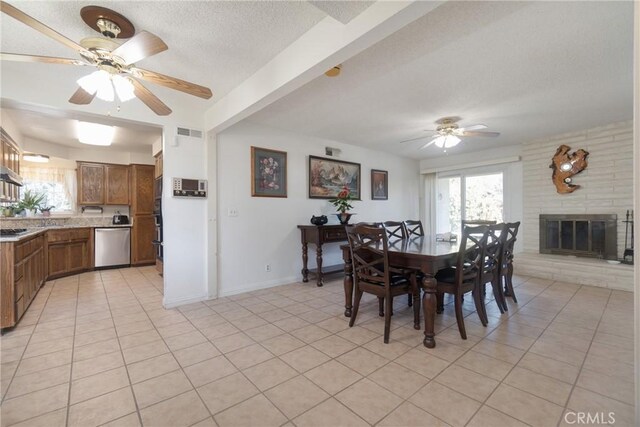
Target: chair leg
460	316
387	319
508	279
498	296
381	306
410	300
440	302
356	306
480	307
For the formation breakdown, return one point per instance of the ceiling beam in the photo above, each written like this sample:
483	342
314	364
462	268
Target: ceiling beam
325	45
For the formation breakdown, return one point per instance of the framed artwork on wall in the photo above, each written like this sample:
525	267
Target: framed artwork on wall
327	177
268	173
379	184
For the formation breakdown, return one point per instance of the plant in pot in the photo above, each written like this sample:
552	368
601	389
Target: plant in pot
342	202
46	210
31	202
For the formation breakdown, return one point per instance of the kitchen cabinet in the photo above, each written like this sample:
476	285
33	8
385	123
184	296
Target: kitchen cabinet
22	273
9	158
69	251
103	184
157	173
116	185
142	219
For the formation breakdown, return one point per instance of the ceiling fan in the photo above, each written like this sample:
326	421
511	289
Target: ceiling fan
117	72
448	133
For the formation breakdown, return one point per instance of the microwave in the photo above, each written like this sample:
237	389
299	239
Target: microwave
183	187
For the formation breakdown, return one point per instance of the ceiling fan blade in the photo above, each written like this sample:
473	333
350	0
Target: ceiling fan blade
173	83
39	26
37	58
474	127
428	144
81	97
415	139
140	46
150	99
480	133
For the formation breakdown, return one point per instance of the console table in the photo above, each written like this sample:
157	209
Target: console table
320	234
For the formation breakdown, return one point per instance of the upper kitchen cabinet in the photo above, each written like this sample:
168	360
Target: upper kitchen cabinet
142	189
9	158
159	165
117	184
103	184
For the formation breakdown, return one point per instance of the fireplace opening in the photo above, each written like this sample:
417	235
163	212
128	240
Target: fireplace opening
580	235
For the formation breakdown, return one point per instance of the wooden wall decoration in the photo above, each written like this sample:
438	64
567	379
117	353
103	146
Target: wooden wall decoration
565	166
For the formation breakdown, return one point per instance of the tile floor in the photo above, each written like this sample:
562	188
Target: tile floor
99	349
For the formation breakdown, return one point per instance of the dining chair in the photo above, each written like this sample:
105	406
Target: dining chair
465	276
506	259
477	222
491	266
373	274
414	228
395	230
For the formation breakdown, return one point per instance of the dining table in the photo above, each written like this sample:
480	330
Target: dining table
424	253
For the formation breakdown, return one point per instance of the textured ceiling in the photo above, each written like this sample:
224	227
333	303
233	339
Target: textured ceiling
343	11
525	69
213	43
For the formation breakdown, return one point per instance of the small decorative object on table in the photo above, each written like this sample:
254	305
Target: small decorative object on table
319	220
342	202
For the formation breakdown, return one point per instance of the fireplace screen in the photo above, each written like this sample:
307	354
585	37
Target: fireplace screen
580	235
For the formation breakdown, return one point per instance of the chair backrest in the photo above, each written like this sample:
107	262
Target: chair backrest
509	239
369	254
493	252
413	228
471	256
395	230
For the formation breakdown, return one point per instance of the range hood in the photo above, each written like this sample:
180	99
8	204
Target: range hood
7	175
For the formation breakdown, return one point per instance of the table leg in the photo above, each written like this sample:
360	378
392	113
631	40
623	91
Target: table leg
429	285
348	287
319	264
305	258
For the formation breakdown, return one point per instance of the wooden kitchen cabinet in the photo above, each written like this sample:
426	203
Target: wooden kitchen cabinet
143	233
157	173
103	184
22	273
142	180
69	251
90	184
10	158
143	230
116	184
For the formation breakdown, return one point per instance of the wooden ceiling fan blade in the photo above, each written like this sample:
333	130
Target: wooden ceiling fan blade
37	58
480	133
81	97
150	99
414	139
140	46
173	83
39	26
474	127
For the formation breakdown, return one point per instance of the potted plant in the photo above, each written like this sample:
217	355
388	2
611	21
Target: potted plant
342	202
31	202
46	210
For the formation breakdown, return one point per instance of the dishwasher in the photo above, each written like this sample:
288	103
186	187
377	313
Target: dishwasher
112	246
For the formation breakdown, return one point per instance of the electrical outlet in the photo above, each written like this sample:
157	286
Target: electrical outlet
232	212
267	267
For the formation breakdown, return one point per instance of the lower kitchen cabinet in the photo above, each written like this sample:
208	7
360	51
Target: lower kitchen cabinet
69	251
143	232
22	273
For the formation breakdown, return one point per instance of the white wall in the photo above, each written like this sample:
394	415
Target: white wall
88	154
264	232
10	127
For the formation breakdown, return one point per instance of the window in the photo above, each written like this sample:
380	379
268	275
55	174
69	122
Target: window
468	197
57	184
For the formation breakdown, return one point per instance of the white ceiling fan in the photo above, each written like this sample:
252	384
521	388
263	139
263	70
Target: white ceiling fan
448	134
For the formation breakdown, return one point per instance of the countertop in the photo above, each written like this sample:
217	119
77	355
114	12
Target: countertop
31	232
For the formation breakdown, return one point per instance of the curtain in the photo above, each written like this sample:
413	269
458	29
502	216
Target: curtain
63	177
429	220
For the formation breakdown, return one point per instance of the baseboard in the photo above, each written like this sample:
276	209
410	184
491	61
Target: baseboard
184	301
258	286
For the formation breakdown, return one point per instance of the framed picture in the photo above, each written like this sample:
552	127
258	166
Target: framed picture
379	184
268	173
327	177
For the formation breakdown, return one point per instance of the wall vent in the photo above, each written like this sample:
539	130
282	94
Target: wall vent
192	133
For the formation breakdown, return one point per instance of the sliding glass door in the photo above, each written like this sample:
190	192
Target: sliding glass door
468	197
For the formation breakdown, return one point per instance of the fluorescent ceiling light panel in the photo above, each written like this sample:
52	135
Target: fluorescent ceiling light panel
36	158
94	133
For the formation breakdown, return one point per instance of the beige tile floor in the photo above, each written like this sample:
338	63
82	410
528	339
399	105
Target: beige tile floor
99	349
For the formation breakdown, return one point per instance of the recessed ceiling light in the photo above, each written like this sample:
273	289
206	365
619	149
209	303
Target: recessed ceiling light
94	133
37	158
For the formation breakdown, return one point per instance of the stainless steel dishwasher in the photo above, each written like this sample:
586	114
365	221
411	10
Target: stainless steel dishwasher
112	246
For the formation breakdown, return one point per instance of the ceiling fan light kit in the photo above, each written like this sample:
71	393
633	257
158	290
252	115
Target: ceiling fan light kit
117	72
448	134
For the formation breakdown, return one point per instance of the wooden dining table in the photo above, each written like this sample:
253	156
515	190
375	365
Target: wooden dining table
423	253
